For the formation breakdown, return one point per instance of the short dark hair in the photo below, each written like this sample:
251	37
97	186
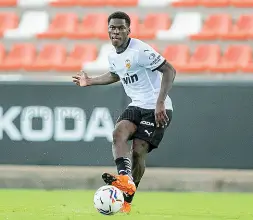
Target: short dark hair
120	15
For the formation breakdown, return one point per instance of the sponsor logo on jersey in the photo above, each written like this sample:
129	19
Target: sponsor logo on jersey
130	79
157	60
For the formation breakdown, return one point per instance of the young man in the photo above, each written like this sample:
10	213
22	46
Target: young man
147	78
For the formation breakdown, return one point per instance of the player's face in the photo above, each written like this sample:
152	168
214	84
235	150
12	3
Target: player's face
118	31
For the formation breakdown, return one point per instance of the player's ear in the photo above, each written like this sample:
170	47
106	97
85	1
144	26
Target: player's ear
129	31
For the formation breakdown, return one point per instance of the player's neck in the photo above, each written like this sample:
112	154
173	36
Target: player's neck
123	47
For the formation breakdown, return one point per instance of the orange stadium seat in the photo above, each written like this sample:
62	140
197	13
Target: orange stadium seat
81	53
134	25
91	3
242	3
19	57
214	3
215	26
122	3
2	54
242	30
185	3
60	26
50	57
248	68
177	55
8	20
92	25
63	3
94	3
101	30
152	23
8	3
234	58
204	57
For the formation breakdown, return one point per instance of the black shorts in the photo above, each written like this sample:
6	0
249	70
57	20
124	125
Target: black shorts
144	119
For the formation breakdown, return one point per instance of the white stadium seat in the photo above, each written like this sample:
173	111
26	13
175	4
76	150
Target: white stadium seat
32	23
101	63
185	24
159	3
32	3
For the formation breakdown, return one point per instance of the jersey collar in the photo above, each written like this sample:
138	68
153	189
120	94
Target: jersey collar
128	42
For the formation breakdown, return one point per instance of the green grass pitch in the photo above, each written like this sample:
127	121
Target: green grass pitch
78	205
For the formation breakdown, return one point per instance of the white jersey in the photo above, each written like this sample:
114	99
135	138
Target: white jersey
137	68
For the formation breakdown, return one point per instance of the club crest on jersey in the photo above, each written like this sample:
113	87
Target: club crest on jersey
128	64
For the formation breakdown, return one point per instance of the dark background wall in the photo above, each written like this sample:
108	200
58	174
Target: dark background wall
212	125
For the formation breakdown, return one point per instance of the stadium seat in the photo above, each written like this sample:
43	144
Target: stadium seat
8	20
32	23
177	55
234	58
154	4
242	3
184	25
152	23
214	3
32	3
122	3
8	3
2	54
248	68
101	63
80	54
185	3
101	30
93	3
61	25
92	25
63	3
215	26
134	25
50	57
19	57
204	57
242	30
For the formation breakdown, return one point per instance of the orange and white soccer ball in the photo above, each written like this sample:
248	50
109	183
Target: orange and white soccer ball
108	200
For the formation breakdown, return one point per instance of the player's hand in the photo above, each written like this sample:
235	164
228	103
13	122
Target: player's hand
82	79
161	117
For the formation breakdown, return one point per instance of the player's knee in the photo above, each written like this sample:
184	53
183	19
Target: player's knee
122	132
118	137
140	148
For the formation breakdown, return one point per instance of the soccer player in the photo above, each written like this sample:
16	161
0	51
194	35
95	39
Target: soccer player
147	78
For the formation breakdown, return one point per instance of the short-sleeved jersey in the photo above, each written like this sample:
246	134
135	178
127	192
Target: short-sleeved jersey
137	68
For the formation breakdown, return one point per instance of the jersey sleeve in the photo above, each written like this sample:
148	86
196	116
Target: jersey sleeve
149	58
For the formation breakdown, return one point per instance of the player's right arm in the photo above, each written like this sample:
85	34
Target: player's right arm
82	79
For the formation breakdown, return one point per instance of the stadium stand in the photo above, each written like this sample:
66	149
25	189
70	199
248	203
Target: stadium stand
62	36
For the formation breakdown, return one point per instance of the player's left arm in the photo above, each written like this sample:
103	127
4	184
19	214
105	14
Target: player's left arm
151	59
168	76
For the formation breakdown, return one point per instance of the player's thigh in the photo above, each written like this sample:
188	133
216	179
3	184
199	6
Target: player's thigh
148	131
124	129
126	124
139	147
